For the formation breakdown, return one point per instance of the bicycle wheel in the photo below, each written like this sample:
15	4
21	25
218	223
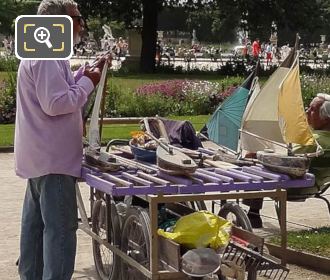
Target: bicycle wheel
234	213
135	242
107	264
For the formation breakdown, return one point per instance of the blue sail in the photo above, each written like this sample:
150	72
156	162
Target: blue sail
223	127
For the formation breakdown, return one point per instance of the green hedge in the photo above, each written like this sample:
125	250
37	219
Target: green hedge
123	101
190	97
8	98
9	64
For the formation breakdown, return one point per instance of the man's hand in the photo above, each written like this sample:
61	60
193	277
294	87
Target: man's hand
94	74
100	61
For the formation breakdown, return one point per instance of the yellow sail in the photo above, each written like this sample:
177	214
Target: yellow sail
291	114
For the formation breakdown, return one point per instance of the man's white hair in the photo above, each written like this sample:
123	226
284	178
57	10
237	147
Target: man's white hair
56	7
325	110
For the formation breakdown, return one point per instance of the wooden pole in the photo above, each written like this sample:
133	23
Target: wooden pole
103	107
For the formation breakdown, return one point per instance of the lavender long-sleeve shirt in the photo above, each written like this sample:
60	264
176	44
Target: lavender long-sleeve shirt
48	131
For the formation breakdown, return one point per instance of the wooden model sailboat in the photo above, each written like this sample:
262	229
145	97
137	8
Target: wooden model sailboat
221	132
101	160
199	156
170	159
174	162
93	153
275	119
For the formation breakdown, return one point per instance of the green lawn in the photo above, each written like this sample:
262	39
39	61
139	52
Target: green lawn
315	241
132	81
109	131
7	134
3	75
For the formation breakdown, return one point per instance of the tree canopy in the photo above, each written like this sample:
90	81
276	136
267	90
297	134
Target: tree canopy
10	9
133	12
216	20
221	17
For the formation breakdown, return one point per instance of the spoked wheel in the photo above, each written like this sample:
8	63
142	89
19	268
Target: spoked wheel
107	264
135	242
234	213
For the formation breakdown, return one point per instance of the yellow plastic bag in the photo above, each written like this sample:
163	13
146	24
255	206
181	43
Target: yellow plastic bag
200	229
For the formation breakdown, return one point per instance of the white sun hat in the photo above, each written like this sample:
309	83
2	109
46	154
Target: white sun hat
324	95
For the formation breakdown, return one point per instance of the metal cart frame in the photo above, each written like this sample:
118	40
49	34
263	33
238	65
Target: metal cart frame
279	195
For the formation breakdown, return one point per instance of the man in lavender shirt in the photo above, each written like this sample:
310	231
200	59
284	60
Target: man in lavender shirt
48	152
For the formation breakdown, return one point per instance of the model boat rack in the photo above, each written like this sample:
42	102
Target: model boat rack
204	180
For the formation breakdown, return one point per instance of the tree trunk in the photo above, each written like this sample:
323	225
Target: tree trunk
149	36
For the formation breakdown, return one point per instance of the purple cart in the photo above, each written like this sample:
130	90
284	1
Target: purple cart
125	211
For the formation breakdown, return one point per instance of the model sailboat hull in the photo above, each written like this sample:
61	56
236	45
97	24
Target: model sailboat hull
291	165
175	163
101	160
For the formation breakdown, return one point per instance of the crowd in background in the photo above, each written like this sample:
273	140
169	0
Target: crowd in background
250	51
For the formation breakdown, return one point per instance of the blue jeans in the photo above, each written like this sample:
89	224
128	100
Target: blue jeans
48	230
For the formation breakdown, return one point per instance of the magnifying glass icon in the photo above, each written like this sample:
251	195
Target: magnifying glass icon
41	35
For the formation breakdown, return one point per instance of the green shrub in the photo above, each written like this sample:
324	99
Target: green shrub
170	97
313	84
125	103
9	64
164	97
8	99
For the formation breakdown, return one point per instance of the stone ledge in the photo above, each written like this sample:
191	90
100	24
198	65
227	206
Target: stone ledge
314	262
7	149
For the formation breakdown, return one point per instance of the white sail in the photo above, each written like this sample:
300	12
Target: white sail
94	131
261	117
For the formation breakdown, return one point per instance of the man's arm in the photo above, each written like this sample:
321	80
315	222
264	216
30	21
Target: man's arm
78	73
55	95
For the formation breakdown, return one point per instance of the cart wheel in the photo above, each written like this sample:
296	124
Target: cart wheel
107	264
135	242
234	213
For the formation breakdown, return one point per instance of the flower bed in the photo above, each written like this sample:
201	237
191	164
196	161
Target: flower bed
182	89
